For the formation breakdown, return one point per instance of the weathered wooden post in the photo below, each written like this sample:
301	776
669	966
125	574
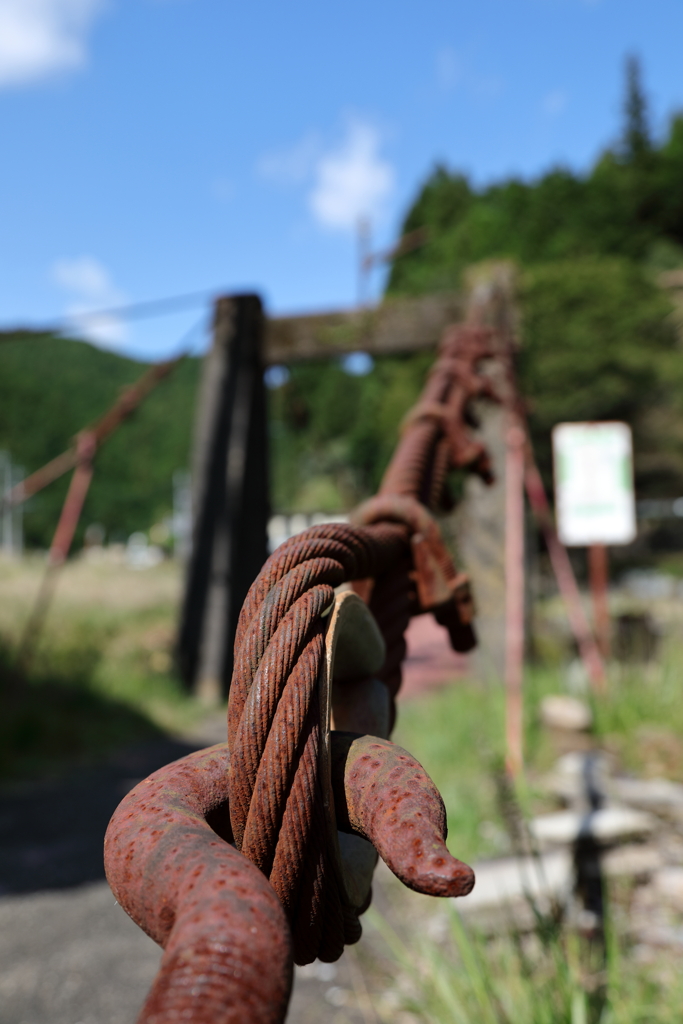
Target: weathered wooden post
230	496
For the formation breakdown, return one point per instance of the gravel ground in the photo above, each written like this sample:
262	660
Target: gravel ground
72	956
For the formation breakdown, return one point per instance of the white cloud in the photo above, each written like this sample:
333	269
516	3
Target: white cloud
91	288
41	37
291	166
554	103
351	181
346	182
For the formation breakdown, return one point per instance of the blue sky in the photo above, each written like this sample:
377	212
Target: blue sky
158	147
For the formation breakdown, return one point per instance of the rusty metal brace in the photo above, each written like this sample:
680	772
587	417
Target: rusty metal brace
440	588
86	447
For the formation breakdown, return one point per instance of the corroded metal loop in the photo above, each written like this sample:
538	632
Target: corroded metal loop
439	586
433	565
170	865
274	731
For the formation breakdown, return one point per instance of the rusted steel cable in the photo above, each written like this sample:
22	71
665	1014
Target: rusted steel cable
291	788
171	865
274	725
435	432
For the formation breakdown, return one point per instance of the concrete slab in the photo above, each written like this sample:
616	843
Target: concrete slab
608	825
505	882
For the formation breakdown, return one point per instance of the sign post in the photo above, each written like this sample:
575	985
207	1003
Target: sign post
595	501
598	574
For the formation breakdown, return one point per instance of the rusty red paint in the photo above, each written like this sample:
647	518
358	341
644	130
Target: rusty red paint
214	913
391	801
86	448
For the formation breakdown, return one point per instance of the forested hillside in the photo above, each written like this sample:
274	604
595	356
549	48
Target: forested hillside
597	343
51	387
331	432
598	340
629	205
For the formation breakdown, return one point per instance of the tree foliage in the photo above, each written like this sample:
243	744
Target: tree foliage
597	336
52	387
598	345
630	205
333	433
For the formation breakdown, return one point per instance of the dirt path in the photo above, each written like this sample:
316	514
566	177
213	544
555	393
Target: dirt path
68	953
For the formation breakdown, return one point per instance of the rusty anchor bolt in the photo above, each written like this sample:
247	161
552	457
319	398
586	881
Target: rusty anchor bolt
384	795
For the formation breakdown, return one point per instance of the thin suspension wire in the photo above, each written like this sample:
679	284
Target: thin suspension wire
132	311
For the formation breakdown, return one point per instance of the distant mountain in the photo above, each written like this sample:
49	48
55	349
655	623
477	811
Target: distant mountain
331	433
598	342
51	387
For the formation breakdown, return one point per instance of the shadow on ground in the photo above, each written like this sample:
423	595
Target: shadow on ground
52	830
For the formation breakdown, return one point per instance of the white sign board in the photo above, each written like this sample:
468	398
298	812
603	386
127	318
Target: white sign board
594	499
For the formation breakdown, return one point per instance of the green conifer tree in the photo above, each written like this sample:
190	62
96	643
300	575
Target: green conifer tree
637	142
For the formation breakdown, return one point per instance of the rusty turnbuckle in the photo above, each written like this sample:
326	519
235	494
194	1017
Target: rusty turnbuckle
250	855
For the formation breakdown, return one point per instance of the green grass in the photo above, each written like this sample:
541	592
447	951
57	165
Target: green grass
640	718
542	978
458	735
101	675
465	978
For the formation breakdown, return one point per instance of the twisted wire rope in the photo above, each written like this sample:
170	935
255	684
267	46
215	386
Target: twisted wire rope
277	804
276	796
